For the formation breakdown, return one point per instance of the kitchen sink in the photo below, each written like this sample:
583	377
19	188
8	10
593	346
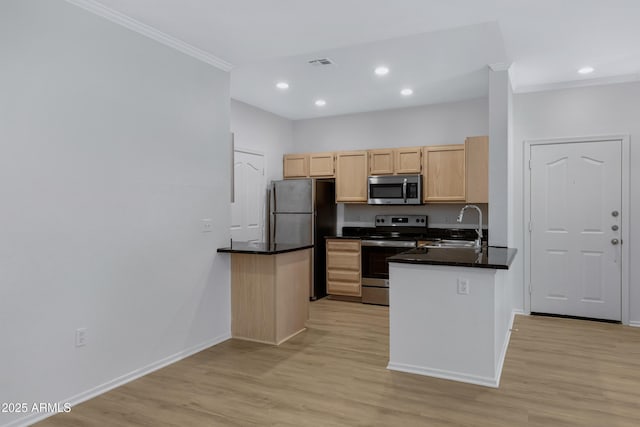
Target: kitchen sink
444	243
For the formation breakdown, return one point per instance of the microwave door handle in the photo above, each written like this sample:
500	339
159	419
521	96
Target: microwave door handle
404	190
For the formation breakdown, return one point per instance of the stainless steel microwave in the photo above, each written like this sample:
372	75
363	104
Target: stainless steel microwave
395	190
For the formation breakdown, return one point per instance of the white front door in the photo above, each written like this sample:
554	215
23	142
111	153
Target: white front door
576	200
247	211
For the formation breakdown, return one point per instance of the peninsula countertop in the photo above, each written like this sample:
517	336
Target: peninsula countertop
262	248
499	258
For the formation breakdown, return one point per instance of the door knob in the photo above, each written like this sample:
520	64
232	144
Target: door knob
614	227
614	241
614	213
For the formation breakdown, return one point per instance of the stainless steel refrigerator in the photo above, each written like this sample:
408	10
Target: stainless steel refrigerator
304	211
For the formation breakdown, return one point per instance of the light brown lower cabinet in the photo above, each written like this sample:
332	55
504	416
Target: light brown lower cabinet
270	295
343	267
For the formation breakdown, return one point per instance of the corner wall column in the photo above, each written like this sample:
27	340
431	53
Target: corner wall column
500	107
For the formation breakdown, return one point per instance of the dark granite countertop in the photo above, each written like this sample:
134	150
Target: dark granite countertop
418	233
490	257
261	248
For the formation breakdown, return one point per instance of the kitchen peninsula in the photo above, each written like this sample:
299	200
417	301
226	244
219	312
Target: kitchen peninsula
269	290
450	313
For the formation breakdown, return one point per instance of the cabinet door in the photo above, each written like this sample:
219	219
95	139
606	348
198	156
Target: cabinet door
295	166
381	162
476	149
343	267
321	165
444	173
351	177
408	160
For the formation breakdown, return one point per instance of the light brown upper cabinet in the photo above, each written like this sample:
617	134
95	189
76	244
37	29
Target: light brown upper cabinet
351	176
443	173
395	161
295	166
477	169
322	165
408	160
381	162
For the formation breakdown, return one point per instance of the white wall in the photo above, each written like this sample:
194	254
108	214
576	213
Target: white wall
597	110
112	149
264	132
437	124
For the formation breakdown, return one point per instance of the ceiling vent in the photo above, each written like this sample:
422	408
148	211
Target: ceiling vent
321	61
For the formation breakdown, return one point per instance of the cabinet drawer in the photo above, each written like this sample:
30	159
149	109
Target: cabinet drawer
343	261
343	245
343	276
344	288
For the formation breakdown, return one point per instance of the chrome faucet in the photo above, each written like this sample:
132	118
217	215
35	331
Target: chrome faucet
478	241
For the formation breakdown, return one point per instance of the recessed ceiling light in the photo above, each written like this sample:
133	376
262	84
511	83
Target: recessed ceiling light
381	71
282	85
406	92
321	102
586	70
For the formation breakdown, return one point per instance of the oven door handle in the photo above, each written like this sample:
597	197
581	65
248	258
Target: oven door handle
389	243
404	190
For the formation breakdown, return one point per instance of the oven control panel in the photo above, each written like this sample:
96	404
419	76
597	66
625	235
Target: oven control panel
401	221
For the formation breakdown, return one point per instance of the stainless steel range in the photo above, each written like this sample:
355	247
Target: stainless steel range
392	235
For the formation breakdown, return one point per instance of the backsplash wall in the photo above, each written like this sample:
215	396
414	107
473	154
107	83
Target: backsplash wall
440	216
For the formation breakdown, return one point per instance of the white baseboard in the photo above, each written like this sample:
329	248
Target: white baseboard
457	376
117	382
447	375
634	323
519	312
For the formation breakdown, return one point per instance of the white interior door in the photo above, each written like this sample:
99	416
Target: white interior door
247	211
576	200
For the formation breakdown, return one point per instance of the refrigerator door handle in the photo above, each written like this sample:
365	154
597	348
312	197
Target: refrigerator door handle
267	216
272	219
273	198
272	240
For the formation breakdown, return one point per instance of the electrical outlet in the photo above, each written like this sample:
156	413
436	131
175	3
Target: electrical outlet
463	286
207	225
81	337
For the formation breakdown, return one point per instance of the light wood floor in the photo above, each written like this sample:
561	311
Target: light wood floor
558	372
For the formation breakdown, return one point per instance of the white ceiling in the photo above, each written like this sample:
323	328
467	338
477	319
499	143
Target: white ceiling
437	47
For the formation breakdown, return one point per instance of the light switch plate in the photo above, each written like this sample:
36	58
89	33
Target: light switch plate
81	337
463	286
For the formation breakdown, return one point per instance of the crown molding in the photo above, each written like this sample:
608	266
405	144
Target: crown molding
626	78
150	32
